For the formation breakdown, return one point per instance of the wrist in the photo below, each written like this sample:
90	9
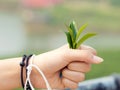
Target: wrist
36	78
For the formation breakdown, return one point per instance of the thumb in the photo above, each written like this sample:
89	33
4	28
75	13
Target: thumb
82	55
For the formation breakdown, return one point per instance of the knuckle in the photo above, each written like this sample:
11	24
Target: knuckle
92	50
74	86
82	77
87	55
88	68
69	84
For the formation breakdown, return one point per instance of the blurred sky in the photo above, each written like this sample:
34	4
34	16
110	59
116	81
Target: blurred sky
39	27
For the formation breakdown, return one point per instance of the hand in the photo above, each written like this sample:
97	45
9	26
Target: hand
73	63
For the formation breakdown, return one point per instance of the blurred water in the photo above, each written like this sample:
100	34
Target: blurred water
100	42
12	38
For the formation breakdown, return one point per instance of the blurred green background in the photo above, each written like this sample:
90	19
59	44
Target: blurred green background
26	28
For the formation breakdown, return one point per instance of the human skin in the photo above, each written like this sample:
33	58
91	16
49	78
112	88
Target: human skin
72	63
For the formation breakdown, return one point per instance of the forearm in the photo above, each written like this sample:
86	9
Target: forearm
10	74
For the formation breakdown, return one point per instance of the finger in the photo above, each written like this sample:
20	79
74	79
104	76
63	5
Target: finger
69	84
79	67
81	55
85	47
73	75
82	47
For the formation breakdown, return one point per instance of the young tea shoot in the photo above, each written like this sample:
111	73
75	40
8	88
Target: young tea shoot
73	35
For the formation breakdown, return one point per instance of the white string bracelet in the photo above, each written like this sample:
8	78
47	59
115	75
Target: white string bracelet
29	69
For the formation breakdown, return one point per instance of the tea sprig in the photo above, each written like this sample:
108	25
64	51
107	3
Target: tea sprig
73	35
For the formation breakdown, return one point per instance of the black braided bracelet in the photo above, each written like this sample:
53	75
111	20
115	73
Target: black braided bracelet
22	64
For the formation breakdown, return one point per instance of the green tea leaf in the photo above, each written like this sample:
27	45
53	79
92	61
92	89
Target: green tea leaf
74	29
81	29
71	33
69	39
74	45
85	37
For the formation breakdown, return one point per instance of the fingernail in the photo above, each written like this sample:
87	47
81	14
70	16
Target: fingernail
97	59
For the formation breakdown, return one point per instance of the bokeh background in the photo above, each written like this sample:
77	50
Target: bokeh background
37	26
